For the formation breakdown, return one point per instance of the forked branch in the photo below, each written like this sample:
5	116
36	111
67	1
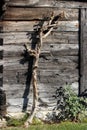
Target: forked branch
43	32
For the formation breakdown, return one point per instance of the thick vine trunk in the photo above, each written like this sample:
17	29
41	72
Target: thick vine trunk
34	81
43	32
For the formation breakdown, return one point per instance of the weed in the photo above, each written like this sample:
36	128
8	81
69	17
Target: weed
68	104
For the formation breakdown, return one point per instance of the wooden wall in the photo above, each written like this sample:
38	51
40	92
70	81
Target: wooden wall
58	63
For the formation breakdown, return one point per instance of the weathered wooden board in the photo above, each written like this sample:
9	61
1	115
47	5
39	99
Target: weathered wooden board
28	26
46	47
58	71
15	72
48	3
18	93
63	49
17	101
37	13
20	76
17	105
58	63
83	53
17	61
1	58
19	38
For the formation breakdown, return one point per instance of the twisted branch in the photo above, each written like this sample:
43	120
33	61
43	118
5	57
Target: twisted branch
43	32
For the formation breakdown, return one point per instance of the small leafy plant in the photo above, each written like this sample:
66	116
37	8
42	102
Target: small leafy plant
69	104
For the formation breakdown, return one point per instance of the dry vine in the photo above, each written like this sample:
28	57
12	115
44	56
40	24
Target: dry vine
43	32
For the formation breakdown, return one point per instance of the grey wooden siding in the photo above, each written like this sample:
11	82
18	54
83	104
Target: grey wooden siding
48	3
58	63
83	53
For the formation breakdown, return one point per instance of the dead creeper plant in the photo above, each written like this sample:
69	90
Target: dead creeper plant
43	32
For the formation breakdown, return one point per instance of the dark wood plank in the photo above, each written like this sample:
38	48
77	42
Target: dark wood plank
83	54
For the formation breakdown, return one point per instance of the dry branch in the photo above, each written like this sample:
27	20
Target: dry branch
43	32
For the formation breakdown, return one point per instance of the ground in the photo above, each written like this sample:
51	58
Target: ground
61	126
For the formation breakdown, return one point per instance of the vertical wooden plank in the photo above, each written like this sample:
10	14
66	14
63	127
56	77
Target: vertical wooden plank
83	52
1	58
86	15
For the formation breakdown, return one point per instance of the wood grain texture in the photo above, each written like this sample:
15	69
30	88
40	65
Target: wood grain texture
50	50
16	100
37	13
19	38
83	53
28	26
1	67
59	59
15	72
47	3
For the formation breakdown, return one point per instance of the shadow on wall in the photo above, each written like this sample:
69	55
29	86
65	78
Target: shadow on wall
2	7
27	58
3	110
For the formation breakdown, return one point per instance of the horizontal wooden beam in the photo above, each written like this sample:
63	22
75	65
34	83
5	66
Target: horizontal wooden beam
27	26
62	76
48	3
15	13
20	38
52	49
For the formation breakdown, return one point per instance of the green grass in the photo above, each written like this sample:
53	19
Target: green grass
16	122
62	126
